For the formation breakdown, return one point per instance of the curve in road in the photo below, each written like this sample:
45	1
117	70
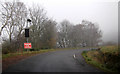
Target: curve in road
57	61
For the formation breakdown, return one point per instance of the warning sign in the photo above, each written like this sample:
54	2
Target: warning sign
27	45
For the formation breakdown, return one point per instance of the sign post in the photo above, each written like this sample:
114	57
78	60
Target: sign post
27	45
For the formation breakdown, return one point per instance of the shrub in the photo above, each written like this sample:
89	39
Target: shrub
89	59
5	47
32	49
84	51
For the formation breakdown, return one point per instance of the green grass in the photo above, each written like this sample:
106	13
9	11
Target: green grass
4	56
97	59
109	49
93	62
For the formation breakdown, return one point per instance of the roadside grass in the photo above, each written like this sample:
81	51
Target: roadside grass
30	53
12	58
90	60
106	59
26	53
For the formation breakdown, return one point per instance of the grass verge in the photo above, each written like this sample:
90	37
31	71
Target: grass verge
12	58
4	56
106	59
29	53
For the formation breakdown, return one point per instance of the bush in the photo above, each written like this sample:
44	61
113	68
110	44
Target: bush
10	47
31	49
89	59
37	49
102	65
6	47
108	58
84	51
5	51
111	61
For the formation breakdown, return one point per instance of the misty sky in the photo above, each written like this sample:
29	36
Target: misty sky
103	12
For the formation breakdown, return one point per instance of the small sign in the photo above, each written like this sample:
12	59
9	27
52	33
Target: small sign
27	45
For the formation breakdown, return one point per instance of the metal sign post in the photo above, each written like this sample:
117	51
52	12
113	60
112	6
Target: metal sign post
27	33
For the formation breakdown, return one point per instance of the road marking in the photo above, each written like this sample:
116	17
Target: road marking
74	56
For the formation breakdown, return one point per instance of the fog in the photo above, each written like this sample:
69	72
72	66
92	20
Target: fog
103	12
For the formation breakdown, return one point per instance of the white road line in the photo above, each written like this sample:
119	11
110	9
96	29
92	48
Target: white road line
74	56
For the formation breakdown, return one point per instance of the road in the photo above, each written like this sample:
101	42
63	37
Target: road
57	61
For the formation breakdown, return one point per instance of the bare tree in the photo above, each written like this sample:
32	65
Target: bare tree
64	30
45	32
42	29
92	34
84	34
49	34
38	16
13	18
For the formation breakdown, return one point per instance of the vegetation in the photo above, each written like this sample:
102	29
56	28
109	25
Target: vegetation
29	53
44	32
107	58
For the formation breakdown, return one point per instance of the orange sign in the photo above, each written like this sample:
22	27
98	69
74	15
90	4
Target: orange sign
27	45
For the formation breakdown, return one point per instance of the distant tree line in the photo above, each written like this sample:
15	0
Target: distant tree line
84	34
44	31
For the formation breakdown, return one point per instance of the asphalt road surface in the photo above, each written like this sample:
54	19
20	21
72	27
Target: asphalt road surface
57	61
